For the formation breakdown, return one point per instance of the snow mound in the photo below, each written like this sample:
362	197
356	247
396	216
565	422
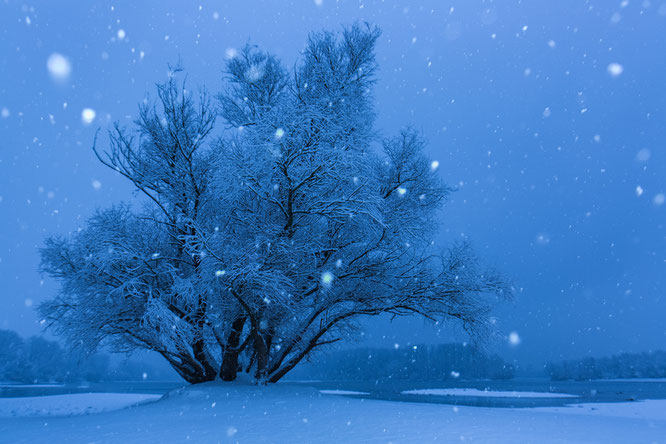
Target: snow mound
69	405
486	393
238	389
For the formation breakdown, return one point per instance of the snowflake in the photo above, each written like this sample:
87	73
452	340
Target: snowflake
88	115
514	339
615	69
327	278
58	66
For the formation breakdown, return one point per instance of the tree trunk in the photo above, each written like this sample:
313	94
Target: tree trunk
229	367
261	353
208	372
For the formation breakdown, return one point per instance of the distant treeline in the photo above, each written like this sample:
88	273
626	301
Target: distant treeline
625	365
36	359
421	362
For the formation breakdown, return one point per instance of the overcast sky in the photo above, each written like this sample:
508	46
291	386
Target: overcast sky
549	117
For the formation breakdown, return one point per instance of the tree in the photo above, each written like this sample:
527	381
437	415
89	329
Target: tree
45	358
13	361
270	241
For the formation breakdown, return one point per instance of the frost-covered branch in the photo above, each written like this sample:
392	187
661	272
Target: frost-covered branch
271	241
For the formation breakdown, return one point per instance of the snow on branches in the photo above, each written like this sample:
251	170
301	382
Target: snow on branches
266	243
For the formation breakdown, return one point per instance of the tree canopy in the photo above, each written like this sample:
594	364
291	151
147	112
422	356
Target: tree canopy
275	219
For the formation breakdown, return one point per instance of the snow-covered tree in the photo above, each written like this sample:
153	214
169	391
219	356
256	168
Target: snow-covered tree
14	364
259	246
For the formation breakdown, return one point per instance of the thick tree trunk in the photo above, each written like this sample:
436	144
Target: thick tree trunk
208	371
261	353
229	367
186	370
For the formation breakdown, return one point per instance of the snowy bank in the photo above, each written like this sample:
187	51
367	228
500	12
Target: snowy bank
73	404
486	393
232	412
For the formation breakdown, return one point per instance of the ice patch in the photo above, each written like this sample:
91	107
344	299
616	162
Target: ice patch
486	393
342	392
650	409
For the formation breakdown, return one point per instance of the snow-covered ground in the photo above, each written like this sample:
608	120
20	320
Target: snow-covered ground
486	393
218	412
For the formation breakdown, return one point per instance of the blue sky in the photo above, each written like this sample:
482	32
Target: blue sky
548	116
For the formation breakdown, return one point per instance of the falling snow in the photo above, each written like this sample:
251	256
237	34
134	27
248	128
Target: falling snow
514	339
327	279
551	155
643	155
58	66
88	115
615	69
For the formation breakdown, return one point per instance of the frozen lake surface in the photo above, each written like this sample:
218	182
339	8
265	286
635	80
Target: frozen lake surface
516	393
486	393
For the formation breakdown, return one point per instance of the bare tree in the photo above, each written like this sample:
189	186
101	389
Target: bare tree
258	247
